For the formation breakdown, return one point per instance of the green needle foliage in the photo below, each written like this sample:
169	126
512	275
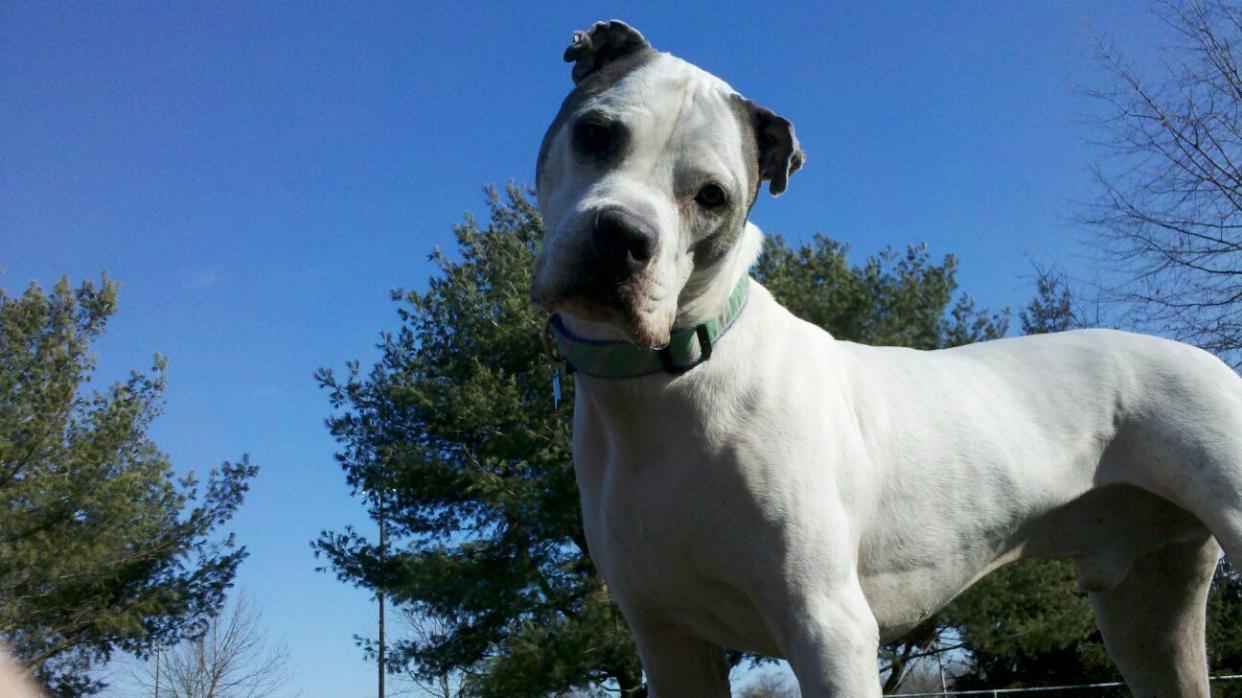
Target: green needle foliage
893	299
1224	632
451	437
100	547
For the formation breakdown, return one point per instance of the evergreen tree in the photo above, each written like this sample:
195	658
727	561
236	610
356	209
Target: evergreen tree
1224	631
456	427
893	299
100	547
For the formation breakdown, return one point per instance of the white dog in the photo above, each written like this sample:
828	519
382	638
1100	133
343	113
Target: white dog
749	482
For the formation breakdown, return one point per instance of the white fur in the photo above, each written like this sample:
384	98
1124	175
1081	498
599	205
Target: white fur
808	498
700	136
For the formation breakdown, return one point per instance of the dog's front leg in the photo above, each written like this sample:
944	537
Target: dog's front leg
830	640
679	665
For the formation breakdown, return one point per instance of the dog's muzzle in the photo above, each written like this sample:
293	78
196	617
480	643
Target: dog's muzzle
609	279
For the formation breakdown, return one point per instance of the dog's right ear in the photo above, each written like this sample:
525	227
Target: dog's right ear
780	155
602	44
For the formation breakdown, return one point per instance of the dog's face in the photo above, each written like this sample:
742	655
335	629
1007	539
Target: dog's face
644	180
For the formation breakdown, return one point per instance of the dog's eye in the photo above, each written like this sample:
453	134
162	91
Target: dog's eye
711	196
592	137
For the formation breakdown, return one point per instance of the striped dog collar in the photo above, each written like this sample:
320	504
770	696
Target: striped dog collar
687	347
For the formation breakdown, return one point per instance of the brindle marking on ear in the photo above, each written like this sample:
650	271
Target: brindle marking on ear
602	44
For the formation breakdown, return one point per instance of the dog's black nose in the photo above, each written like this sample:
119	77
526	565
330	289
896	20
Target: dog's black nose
623	240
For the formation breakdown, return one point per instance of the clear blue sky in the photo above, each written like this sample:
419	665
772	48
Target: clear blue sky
257	176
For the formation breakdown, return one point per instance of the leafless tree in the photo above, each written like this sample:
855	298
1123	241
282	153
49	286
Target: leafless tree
925	677
1169	217
424	628
233	659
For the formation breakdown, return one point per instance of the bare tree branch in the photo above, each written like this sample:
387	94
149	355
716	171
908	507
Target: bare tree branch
233	659
1169	216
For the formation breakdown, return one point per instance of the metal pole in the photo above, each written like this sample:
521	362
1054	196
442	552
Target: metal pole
381	644
157	672
380	594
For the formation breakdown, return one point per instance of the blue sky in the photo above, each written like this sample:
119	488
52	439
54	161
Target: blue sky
257	176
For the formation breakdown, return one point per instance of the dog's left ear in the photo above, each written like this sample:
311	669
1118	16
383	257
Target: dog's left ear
602	44
779	153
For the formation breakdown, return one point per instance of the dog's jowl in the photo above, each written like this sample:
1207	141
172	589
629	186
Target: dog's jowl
748	482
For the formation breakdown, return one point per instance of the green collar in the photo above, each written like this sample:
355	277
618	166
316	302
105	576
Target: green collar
687	347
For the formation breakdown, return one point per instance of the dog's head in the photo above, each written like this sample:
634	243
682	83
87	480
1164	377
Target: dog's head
645	179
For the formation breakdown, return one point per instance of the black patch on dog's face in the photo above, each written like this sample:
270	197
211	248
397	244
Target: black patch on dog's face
591	86
598	139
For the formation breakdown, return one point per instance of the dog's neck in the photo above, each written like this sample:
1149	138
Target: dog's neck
706	293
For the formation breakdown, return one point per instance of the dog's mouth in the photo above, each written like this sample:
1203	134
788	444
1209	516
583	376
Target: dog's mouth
623	303
635	318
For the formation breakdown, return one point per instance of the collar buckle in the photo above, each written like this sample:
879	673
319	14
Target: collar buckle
705	353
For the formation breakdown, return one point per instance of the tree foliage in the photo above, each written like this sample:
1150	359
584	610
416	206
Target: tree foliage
453	438
1169	215
1225	619
892	299
100	547
456	422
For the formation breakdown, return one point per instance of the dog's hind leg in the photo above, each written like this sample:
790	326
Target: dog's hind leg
1153	622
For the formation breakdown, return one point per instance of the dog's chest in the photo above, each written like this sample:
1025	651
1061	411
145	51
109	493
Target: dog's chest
684	546
692	528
